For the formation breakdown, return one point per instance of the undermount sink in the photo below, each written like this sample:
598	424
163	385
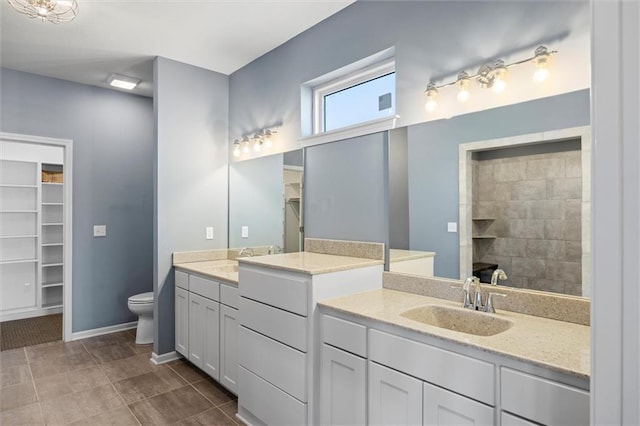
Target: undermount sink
459	319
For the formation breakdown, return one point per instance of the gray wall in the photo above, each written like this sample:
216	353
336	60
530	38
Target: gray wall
427	45
399	226
433	164
112	135
345	189
191	113
256	200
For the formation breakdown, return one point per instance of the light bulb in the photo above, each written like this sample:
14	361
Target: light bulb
257	146
463	87
432	97
541	74
236	151
499	74
268	143
498	85
245	148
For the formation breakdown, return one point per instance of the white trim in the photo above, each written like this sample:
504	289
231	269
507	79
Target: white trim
103	330
465	193
67	145
374	126
29	313
164	358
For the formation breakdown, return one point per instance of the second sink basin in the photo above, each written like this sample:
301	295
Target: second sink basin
459	319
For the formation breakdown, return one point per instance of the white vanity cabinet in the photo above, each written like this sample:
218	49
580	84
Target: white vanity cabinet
206	326
279	345
410	382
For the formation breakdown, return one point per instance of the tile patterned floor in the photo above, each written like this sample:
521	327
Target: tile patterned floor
107	380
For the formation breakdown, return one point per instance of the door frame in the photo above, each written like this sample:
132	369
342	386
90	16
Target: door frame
67	289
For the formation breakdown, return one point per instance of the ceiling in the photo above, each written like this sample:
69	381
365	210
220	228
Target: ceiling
117	36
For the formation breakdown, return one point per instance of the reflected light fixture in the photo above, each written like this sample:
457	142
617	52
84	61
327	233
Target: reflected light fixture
54	11
236	148
268	142
257	142
432	97
245	145
123	82
491	75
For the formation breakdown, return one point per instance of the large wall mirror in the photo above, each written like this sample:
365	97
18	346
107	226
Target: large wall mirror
265	208
502	188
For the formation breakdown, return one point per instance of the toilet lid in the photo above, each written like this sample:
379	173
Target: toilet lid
142	298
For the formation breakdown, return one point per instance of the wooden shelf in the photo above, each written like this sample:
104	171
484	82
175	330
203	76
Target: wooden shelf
9	262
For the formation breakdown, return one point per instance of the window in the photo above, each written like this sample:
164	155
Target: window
359	97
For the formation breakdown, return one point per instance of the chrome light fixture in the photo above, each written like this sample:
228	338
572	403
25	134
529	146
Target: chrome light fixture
54	11
262	139
236	148
491	75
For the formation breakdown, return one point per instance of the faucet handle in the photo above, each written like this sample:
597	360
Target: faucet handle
467	298
489	306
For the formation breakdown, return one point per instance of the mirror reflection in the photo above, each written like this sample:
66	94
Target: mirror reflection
265	203
492	191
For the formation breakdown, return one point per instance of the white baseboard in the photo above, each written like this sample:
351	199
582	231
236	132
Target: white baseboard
164	358
103	330
29	313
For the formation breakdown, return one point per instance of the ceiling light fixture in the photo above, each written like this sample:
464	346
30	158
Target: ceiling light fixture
54	11
491	75
236	148
123	82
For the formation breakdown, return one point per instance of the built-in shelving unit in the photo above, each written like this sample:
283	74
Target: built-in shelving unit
31	239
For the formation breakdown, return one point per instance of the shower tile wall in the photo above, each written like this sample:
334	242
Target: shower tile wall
532	205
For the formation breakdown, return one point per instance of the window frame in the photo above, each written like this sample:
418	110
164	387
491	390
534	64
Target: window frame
360	76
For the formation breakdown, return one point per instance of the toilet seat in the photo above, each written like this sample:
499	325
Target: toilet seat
141	298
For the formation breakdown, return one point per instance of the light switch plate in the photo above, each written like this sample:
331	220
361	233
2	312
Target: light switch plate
452	226
209	232
245	232
99	230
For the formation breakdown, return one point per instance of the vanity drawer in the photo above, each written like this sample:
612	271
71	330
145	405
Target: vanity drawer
543	401
461	374
283	326
276	363
229	295
345	335
269	403
182	280
285	291
204	287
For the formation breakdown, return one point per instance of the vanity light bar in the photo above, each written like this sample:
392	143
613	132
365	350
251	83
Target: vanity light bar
490	75
261	139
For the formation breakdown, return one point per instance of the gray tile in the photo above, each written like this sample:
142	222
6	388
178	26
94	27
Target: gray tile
231	409
486	192
111	352
546	209
81	405
49	351
573	289
485	173
543	284
509	247
187	371
567	230
170	407
27	415
564	189
213	391
546	168
17	396
484	209
512	210
128	367
149	384
573	251
61	364
573	209
119	417
529	190
107	339
573	163
564	271
55	386
506	172
15	375
12	358
545	249
213	416
526	228
529	268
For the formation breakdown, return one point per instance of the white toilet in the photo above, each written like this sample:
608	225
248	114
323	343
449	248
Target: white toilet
142	305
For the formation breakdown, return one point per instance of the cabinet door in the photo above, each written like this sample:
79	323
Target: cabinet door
442	407
229	348
211	355
182	321
196	329
509	420
343	388
394	398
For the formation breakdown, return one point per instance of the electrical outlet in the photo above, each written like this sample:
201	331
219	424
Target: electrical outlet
245	232
99	230
209	232
452	226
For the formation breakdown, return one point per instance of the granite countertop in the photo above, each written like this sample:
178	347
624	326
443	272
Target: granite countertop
309	263
558	345
399	255
223	269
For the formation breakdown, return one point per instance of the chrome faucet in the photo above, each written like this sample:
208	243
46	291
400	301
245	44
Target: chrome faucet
274	250
245	250
498	274
466	288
